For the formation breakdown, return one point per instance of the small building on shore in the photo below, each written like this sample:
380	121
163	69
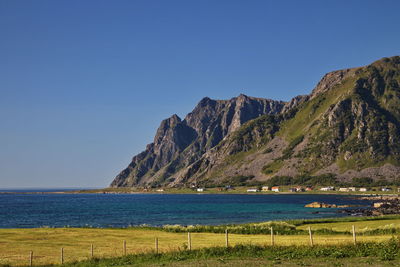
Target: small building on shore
299	189
363	189
201	189
328	188
344	189
275	189
252	190
265	188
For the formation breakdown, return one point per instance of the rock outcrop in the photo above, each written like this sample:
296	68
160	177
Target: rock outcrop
326	205
178	143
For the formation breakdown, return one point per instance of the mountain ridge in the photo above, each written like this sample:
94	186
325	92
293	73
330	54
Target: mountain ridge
202	129
348	126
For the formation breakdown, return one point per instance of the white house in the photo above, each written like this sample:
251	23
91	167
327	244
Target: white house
200	189
252	190
343	189
265	188
328	188
386	189
275	189
363	189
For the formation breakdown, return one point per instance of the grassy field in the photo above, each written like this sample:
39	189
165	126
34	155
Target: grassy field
360	225
362	254
46	243
262	262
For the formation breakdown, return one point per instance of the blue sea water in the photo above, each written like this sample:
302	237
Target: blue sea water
122	210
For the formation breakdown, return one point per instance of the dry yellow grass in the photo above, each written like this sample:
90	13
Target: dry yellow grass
46	243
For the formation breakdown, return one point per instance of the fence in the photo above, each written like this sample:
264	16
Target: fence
193	240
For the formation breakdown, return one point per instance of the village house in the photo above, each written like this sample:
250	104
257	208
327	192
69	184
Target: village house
363	189
344	189
265	188
252	190
352	189
275	189
292	190
328	188
386	189
308	188
160	190
299	189
201	189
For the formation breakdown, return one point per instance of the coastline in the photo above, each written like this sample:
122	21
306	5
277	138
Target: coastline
237	190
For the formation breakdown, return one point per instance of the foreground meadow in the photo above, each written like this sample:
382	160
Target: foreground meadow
46	243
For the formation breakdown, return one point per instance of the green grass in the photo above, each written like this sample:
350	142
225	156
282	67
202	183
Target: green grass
359	161
379	225
382	218
46	243
313	109
272	167
361	226
386	251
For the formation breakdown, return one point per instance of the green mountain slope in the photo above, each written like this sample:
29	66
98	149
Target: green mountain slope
349	126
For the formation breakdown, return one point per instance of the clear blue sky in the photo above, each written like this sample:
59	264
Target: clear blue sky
85	84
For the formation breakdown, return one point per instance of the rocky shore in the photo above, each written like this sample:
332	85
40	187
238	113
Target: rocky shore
380	205
325	205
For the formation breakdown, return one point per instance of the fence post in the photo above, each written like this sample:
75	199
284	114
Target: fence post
30	258
62	256
124	247
311	238
226	238
156	245
189	241
272	236
91	250
354	235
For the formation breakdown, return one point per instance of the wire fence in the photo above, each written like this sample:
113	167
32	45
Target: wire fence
188	241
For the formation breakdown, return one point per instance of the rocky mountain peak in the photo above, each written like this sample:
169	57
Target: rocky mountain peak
330	80
178	143
349	126
165	126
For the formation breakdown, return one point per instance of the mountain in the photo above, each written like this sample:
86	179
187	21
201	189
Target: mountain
180	143
349	127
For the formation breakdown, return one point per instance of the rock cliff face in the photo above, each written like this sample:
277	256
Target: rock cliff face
178	143
349	126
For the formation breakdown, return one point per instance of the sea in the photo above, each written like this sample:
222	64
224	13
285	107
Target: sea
49	209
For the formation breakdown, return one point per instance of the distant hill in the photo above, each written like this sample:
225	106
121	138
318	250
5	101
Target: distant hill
348	127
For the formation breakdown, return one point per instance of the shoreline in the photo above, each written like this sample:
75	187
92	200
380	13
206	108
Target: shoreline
171	191
232	225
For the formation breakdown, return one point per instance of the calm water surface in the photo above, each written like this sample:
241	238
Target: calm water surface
122	210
